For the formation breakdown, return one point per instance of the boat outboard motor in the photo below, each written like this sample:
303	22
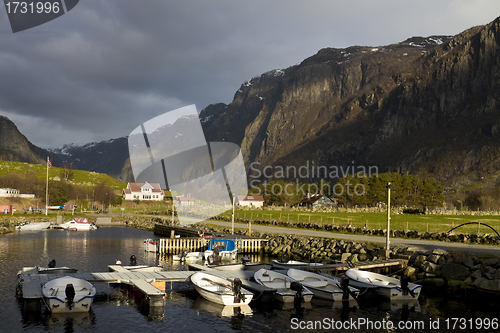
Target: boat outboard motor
216	254
70	294
344	284
404	286
236	286
184	255
52	264
133	260
298	288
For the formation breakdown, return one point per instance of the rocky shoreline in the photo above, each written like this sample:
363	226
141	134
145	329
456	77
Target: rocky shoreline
437	268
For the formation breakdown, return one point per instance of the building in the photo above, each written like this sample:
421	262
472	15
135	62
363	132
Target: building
143	191
250	201
316	200
185	201
12	192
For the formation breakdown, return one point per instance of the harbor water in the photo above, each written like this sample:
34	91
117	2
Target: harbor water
186	311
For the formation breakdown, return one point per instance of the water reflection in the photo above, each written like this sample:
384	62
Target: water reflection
68	321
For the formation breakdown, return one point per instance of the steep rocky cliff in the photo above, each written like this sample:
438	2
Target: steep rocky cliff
15	147
427	106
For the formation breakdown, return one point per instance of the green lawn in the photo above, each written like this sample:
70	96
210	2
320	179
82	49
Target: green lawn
423	223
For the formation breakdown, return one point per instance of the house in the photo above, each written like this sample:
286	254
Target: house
250	200
143	191
185	201
316	200
12	192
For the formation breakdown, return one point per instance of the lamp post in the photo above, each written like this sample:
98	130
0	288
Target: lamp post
232	219
387	242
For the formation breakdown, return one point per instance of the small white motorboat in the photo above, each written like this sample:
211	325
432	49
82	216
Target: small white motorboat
220	290
188	256
329	288
33	226
79	223
386	286
50	269
221	249
68	294
287	288
294	264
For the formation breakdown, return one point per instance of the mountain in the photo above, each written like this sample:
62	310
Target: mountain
425	106
104	157
15	147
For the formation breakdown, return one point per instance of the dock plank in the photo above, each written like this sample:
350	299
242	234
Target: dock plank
147	288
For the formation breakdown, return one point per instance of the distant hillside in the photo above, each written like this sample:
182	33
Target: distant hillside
15	147
82	178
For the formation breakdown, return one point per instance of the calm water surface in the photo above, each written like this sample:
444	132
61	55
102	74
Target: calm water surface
92	251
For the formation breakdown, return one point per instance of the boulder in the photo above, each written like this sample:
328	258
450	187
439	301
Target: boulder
429	267
452	271
482	283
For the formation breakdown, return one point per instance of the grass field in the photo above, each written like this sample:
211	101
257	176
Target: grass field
423	223
80	177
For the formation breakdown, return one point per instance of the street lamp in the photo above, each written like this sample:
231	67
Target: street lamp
387	242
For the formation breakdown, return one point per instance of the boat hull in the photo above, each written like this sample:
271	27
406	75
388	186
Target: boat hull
323	287
34	226
218	290
384	285
281	283
190	256
55	297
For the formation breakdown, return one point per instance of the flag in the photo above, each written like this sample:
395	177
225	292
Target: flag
48	162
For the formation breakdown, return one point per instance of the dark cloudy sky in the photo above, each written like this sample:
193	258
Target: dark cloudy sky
107	66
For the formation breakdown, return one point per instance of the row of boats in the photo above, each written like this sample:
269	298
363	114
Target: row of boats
301	285
77	223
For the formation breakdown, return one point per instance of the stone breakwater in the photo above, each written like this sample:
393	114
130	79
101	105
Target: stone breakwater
436	268
440	236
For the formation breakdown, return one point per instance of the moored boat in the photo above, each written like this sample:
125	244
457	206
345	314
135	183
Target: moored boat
220	290
287	288
385	286
221	249
68	294
294	264
79	223
33	226
188	256
329	288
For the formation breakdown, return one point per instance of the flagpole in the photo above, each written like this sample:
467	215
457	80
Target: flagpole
47	190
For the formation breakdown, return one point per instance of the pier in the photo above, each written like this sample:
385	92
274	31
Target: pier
152	285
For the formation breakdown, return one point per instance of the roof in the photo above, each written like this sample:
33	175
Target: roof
136	187
311	199
250	198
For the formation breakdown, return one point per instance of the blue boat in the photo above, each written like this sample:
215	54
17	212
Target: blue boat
221	249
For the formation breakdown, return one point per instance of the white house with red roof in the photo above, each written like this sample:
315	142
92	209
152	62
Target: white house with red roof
143	191
250	200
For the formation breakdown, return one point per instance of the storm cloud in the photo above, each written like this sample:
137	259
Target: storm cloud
106	67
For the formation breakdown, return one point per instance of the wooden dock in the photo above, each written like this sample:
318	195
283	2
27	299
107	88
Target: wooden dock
150	283
195	244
